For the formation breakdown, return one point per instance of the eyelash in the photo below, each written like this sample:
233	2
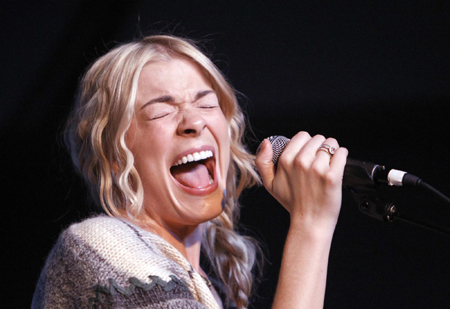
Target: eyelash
209	106
160	115
157	117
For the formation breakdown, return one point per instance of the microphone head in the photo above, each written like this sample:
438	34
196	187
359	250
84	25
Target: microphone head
278	144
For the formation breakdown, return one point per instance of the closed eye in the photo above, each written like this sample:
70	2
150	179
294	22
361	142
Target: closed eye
209	106
209	102
158	110
158	116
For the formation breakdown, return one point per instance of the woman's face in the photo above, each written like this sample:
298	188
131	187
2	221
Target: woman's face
180	142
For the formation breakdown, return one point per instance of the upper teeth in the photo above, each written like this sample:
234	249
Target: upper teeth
196	156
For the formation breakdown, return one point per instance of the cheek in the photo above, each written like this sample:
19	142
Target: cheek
146	144
225	144
221	126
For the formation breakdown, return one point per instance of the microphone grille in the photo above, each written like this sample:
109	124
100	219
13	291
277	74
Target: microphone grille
278	144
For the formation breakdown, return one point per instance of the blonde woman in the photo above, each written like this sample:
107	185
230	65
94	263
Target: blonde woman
157	135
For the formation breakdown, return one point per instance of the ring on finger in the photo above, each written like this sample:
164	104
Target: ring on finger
327	148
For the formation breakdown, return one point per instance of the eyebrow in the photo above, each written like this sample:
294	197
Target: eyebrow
171	99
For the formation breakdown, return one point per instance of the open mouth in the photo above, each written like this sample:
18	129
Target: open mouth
195	170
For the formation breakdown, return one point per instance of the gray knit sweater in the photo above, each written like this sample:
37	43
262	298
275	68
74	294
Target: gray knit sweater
108	262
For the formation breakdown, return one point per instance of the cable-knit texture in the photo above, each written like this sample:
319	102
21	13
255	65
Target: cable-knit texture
107	262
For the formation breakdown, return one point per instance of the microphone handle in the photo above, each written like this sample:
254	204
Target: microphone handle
356	173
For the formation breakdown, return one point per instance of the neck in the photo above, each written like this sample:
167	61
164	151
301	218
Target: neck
187	240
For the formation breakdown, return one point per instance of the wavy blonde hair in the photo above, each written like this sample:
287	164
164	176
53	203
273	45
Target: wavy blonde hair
95	137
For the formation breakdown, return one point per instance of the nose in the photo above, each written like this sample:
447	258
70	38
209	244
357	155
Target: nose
192	123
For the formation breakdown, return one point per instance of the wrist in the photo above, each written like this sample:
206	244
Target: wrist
315	230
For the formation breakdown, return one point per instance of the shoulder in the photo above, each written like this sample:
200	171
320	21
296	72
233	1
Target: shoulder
104	234
109	258
100	226
121	244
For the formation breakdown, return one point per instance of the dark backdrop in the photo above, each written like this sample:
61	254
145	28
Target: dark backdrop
373	74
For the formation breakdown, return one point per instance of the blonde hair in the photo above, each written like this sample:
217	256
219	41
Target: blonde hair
95	137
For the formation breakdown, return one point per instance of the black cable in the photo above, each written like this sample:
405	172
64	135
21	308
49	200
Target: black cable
423	184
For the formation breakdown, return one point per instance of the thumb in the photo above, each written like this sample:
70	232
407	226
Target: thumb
264	163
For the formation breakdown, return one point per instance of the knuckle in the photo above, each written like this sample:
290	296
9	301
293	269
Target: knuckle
333	141
283	160
331	178
318	170
303	134
300	162
344	150
319	136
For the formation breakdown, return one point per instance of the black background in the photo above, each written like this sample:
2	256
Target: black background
373	74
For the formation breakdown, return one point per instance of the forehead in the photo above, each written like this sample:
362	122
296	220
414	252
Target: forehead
172	75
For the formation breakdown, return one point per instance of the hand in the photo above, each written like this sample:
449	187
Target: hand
307	181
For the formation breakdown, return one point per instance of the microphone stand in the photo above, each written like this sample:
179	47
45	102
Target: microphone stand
365	190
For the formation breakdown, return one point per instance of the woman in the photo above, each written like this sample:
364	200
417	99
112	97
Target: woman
157	135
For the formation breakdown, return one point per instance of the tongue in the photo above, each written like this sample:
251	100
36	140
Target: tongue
193	175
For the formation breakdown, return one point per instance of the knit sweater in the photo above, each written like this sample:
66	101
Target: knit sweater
106	262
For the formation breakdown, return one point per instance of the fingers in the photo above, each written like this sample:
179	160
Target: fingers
338	161
330	151
327	149
303	151
317	152
264	163
307	180
292	150
330	162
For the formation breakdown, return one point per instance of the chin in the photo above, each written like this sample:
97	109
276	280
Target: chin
203	208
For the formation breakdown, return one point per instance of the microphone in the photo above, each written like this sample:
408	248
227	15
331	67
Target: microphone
362	179
357	174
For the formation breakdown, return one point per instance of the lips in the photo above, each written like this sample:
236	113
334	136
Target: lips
194	171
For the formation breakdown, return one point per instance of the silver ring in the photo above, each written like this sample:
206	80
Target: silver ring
327	148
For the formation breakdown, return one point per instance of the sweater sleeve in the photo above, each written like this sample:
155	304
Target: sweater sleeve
63	282
77	274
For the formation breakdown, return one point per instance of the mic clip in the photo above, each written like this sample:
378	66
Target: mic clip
362	180
377	207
